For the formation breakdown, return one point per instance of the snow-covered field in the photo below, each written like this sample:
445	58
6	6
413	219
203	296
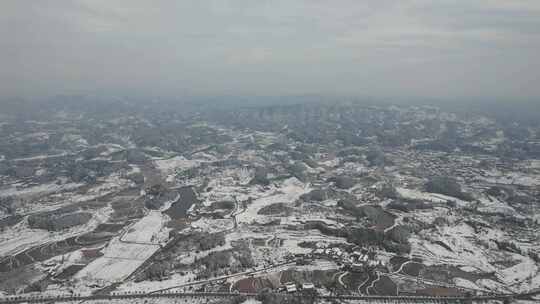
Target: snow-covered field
512	178
429	197
494	205
120	260
150	229
469	254
122	257
21	236
175	163
42	189
460	239
288	193
212	225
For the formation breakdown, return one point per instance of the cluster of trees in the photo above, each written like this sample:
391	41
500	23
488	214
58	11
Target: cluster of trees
211	240
173	135
342	181
375	214
387	190
89	170
513	247
156	271
10	221
56	222
476	225
447	186
7	205
317	195
534	256
396	240
325	229
213	263
376	158
77	170
508	246
408	205
157	195
261	177
273	209
298	170
348	124
29	147
225	262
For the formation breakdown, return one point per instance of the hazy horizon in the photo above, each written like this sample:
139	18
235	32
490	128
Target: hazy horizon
449	50
269	151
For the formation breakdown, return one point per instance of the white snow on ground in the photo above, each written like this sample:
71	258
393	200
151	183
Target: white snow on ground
495	206
178	162
518	273
21	237
38	190
203	156
120	258
290	240
535	281
64	261
468	268
330	163
150	229
212	225
223	193
147	286
59	195
169	166
535	163
492	285
108	185
512	178
430	197
460	239
39	157
245	175
250	156
428	216
35	135
307	217
228	177
288	192
465	283
113	182
111	148
318	265
74	140
470	255
291	246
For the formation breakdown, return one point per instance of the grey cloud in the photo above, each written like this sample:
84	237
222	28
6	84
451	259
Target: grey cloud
384	48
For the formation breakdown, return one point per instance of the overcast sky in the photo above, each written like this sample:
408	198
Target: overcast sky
382	48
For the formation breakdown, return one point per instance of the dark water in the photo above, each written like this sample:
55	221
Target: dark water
179	208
